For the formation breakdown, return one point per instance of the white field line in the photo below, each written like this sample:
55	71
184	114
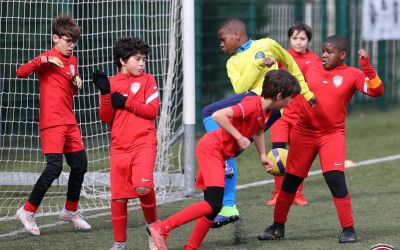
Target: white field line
253	184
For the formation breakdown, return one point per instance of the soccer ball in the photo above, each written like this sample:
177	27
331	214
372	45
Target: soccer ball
278	156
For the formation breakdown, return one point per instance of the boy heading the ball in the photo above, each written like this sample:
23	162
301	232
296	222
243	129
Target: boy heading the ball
237	123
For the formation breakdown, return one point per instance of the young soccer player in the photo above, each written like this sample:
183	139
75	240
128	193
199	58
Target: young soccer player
246	68
300	36
237	123
129	102
59	131
322	131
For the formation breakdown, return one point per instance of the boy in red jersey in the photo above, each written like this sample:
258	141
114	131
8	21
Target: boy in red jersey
59	131
300	36
129	102
237	123
322	131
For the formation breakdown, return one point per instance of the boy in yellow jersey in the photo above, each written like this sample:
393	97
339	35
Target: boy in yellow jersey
246	68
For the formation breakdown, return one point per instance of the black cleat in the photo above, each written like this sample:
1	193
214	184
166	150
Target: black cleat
273	232
348	235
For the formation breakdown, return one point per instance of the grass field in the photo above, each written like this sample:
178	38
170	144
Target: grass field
375	192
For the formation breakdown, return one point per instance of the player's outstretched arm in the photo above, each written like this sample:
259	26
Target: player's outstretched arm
282	56
373	85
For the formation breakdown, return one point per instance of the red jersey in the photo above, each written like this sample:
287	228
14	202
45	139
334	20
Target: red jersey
56	88
135	124
333	89
248	118
290	111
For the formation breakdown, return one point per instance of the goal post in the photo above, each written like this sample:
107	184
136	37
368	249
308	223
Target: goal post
26	32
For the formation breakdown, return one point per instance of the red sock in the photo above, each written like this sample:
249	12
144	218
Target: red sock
148	204
300	188
282	206
199	232
343	208
278	182
119	218
71	205
30	207
190	213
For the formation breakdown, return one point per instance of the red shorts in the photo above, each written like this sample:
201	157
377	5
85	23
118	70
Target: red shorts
131	170
210	163
281	131
304	147
61	139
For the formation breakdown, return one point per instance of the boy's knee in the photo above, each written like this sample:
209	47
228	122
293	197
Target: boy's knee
141	191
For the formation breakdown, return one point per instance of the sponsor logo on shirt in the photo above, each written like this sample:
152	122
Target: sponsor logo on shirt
337	81
135	86
155	87
259	55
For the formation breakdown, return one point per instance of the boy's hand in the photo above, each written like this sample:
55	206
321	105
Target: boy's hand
101	81
52	60
118	100
267	164
366	64
313	102
243	142
77	82
268	61
363	53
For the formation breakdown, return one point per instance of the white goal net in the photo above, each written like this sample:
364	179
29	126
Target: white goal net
26	32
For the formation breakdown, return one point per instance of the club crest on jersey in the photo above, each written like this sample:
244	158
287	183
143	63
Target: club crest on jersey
72	68
259	55
337	81
135	86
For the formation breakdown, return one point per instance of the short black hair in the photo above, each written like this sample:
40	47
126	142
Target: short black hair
280	81
300	27
338	41
126	47
233	25
65	25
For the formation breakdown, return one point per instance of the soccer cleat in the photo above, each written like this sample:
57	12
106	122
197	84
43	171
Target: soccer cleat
299	200
226	215
272	201
272	232
75	218
348	235
152	244
228	171
158	235
28	220
119	246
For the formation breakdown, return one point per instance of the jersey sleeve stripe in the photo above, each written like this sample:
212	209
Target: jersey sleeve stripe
240	105
152	97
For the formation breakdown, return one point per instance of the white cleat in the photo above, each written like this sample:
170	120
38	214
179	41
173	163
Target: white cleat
75	218
119	246
28	219
152	244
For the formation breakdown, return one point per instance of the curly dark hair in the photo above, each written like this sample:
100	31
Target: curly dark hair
65	25
126	47
280	81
